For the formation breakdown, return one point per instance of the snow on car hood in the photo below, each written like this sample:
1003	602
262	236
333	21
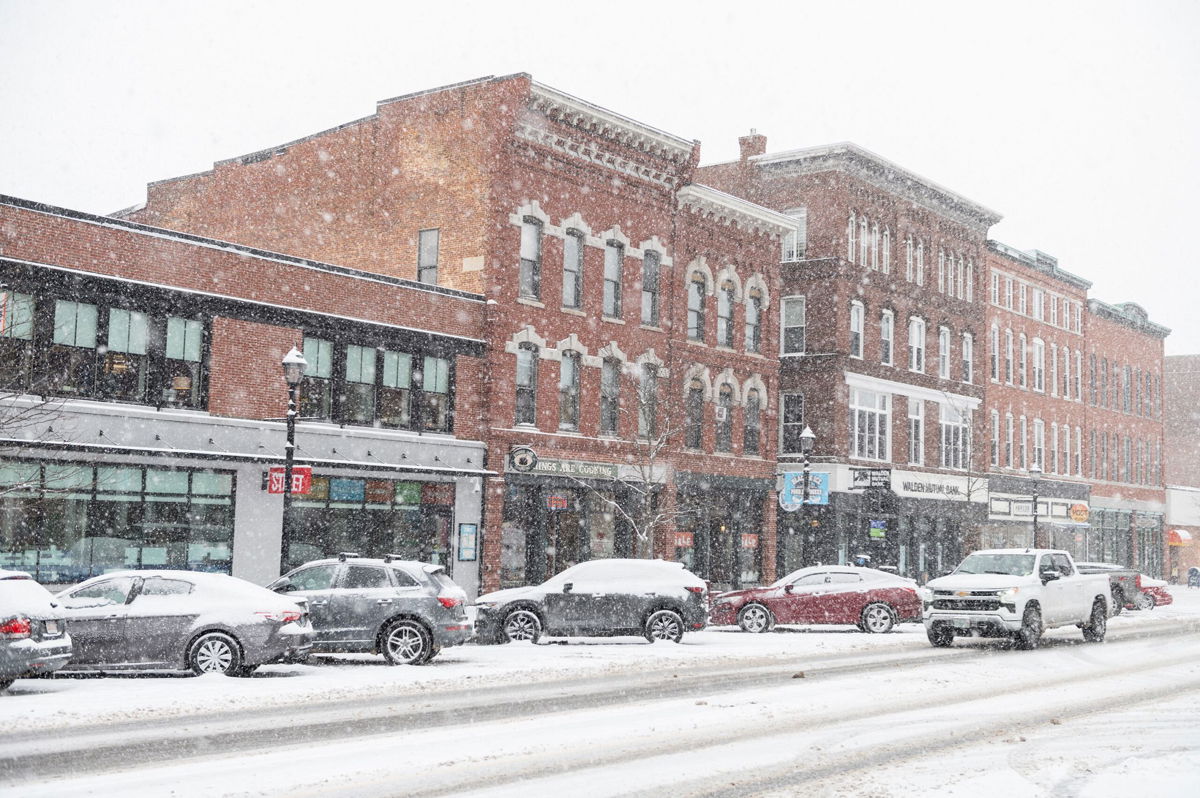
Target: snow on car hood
509	594
978	582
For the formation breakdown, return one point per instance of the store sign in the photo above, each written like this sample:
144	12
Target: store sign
574	468
870	478
945	488
557	501
684	540
468	542
749	541
408	493
791	491
876	529
1079	513
346	490
301	479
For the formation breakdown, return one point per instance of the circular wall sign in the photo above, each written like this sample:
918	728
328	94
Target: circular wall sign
522	458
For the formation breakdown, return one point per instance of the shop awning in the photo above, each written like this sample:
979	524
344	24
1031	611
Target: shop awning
1179	537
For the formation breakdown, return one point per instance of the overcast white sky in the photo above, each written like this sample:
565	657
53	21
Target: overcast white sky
1078	121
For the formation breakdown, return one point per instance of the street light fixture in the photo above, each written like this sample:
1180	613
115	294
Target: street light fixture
294	365
807	440
1035	473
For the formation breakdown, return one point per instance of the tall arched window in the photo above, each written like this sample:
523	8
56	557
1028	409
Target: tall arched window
725	296
696	307
529	280
886	259
568	391
851	228
752	433
864	242
909	263
572	278
724	429
610	396
875	246
527	360
920	263
754	320
693	435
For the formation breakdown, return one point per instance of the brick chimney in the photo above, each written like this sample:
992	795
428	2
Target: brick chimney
754	144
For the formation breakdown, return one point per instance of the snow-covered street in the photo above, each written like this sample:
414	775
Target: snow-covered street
812	710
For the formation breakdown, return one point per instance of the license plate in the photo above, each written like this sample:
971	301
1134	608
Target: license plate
53	627
962	623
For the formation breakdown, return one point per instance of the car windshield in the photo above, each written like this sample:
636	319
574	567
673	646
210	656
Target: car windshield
1010	564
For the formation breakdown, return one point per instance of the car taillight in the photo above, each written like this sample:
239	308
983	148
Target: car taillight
449	601
692	589
14	628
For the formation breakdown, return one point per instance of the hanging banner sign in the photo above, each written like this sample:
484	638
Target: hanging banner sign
301	479
791	492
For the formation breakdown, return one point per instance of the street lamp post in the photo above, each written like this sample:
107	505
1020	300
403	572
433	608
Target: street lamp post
293	371
1035	473
807	439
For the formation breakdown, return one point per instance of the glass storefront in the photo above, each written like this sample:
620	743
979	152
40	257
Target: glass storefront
372	517
65	522
720	540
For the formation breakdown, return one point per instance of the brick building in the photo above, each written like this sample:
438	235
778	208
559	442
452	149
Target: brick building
1181	461
142	403
611	278
881	308
1035	409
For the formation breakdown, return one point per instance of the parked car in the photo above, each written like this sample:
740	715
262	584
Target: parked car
1153	593
873	600
408	611
33	632
182	620
601	598
1123	583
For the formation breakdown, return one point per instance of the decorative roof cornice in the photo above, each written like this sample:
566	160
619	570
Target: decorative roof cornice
1039	262
1129	314
729	209
571	110
884	174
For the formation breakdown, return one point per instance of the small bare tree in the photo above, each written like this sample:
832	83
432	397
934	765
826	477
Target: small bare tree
25	422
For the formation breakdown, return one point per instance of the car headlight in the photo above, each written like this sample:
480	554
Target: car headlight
1006	596
485	605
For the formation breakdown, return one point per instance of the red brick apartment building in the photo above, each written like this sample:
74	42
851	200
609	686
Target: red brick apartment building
881	304
1036	411
630	323
1181	455
142	396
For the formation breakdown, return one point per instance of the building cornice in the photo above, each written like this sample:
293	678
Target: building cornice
884	174
730	209
1039	262
563	107
1129	314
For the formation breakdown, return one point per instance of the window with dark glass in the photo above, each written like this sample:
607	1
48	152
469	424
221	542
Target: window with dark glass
530	278
435	394
358	397
614	260
527	363
791	423
183	364
724	427
648	402
651	263
16	340
610	396
754	321
568	391
395	390
315	388
725	314
793	314
124	363
427	256
572	280
695	329
693	434
71	359
752	432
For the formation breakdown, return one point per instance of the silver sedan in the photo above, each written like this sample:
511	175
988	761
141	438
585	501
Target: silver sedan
172	620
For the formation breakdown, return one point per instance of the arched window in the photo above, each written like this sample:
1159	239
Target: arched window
724	430
864	242
694	436
568	391
920	263
886	259
648	402
530	278
696	307
725	297
754	320
527	362
650	274
875	246
851	228
572	280
610	396
856	329
909	264
752	434
614	262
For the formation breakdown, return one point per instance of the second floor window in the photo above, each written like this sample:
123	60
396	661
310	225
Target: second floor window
614	260
572	281
870	427
315	389
956	437
725	315
427	256
856	329
648	402
527	363
693	435
724	426
124	365
610	396
358	400
1039	365
944	353
752	433
530	278
651	263
72	357
568	391
16	339
968	358
887	331
791	423
916	431
184	362
916	344
695	328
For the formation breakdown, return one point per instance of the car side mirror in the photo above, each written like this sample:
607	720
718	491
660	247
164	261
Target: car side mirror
1050	576
282	585
788	588
568	587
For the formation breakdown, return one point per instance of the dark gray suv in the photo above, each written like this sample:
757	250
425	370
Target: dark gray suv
407	611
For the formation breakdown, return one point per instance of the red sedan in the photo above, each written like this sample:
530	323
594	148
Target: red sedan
872	600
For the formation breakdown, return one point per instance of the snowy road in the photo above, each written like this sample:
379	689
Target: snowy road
726	715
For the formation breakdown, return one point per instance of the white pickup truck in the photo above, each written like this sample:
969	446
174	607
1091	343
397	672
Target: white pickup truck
1015	593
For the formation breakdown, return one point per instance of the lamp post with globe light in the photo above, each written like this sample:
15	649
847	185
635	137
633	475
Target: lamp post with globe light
807	439
1035	474
294	365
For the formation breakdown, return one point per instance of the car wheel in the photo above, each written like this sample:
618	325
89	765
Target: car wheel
878	618
6	683
940	636
214	652
755	618
406	642
1118	599
664	625
1145	601
1097	625
1031	629
522	624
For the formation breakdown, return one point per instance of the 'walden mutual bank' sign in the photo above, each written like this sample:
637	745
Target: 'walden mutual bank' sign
930	486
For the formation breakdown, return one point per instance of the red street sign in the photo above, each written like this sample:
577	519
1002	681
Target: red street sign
301	479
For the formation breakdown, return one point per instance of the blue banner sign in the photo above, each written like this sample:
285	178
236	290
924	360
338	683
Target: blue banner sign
792	494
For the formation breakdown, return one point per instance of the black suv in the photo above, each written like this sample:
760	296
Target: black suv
407	611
